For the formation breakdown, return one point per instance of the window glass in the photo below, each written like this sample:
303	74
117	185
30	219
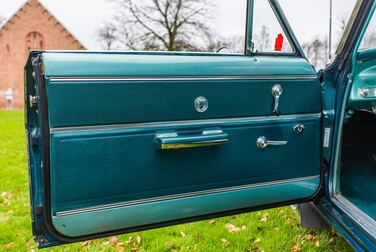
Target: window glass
369	39
312	30
268	35
229	26
135	25
176	25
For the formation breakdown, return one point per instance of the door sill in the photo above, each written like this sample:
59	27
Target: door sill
359	218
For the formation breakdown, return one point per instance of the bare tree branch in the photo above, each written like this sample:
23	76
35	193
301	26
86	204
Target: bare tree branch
172	25
317	52
107	35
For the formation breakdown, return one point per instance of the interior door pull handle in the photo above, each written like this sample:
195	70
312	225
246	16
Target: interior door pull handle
205	139
263	142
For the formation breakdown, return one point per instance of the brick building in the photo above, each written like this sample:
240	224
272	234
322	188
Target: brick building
31	27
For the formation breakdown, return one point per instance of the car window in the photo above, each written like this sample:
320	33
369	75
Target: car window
267	33
187	25
312	29
369	38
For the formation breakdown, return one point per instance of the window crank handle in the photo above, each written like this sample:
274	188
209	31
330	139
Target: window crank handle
276	92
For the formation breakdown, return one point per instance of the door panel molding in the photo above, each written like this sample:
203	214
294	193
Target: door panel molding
78	224
59	79
183	195
174	124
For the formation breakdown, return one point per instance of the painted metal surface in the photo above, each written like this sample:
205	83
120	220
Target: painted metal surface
339	78
346	225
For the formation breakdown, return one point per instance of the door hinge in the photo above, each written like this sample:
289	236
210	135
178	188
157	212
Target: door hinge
34	136
40	240
33	101
39	210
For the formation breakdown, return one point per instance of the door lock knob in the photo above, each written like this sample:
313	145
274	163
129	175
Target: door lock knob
299	128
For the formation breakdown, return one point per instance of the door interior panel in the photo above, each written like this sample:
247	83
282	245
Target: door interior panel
126	165
127	147
165	86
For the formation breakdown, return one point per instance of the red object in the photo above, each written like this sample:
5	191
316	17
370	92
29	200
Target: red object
278	43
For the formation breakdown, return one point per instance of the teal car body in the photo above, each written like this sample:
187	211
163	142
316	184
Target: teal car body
125	141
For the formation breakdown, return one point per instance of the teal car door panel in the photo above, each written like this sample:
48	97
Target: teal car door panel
167	85
137	140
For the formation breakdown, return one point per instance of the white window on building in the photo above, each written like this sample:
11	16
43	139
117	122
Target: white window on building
9	97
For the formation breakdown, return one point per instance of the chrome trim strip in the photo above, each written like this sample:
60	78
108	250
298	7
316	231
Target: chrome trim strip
56	79
182	195
209	122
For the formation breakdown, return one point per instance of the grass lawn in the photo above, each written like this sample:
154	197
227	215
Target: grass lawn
271	230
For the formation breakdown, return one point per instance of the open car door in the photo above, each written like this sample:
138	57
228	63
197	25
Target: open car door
349	92
120	142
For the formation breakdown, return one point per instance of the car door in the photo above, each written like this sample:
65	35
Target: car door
121	141
349	88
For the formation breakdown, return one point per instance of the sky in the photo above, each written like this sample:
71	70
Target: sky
308	18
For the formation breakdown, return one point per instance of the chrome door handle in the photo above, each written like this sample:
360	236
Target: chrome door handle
276	92
263	142
205	139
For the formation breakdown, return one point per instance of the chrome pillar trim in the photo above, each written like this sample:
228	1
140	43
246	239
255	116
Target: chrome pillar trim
59	79
175	124
183	195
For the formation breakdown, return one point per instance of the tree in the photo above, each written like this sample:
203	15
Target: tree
369	39
108	36
263	39
317	52
172	25
340	25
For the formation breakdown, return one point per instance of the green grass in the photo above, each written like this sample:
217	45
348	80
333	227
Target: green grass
271	230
